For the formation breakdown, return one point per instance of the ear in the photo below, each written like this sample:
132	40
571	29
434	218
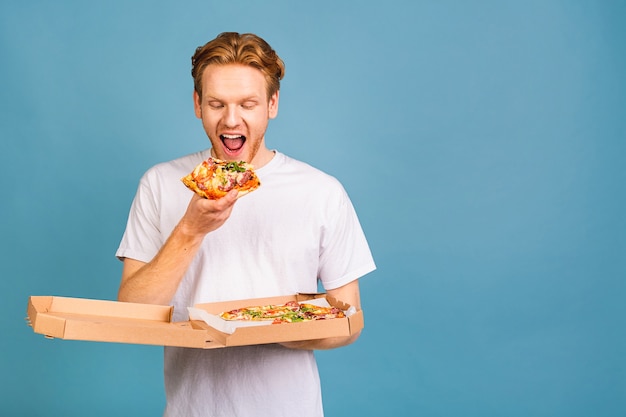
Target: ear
196	104
273	105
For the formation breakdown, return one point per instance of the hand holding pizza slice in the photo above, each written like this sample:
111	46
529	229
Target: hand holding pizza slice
214	178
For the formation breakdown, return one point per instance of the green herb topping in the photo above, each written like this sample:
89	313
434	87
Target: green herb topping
235	166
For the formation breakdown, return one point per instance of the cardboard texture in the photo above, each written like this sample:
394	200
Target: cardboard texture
119	322
111	321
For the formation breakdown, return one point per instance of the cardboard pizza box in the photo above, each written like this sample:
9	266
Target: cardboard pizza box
243	334
120	322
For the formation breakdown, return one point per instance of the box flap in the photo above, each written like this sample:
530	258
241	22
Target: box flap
110	321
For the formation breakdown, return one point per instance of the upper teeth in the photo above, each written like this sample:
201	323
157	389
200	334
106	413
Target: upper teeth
231	136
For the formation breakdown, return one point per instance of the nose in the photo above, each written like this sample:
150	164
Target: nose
232	116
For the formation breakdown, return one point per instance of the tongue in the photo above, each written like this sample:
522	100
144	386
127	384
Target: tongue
234	144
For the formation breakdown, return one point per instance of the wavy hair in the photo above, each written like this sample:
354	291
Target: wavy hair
244	49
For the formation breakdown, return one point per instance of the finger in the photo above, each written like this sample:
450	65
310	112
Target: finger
231	197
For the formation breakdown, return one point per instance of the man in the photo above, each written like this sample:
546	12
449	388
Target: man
297	228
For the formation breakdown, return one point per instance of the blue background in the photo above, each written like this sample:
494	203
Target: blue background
497	224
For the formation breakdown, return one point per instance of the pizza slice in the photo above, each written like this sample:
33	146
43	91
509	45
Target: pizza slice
214	178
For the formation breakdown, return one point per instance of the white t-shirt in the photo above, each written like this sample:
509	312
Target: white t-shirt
298	227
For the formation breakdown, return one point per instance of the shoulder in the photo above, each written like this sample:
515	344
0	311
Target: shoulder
178	167
288	166
164	178
300	182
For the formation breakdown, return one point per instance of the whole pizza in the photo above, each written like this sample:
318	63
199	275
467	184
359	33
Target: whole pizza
289	312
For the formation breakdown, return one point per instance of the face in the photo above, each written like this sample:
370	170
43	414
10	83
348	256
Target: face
235	110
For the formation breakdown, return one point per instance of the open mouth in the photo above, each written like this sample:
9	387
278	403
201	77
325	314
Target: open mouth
233	142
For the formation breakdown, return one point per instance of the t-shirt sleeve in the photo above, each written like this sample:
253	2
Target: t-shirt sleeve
344	252
142	238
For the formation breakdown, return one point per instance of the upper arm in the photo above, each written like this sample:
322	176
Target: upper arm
129	268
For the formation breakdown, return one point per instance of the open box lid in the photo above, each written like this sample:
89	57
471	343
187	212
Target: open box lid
112	321
121	322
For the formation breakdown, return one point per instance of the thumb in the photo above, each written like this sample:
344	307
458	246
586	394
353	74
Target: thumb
232	196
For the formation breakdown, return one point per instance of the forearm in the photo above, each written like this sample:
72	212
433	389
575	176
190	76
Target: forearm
156	282
348	294
322	344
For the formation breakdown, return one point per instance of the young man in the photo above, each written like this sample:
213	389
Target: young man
297	228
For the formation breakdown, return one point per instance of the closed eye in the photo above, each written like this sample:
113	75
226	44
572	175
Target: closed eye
249	105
